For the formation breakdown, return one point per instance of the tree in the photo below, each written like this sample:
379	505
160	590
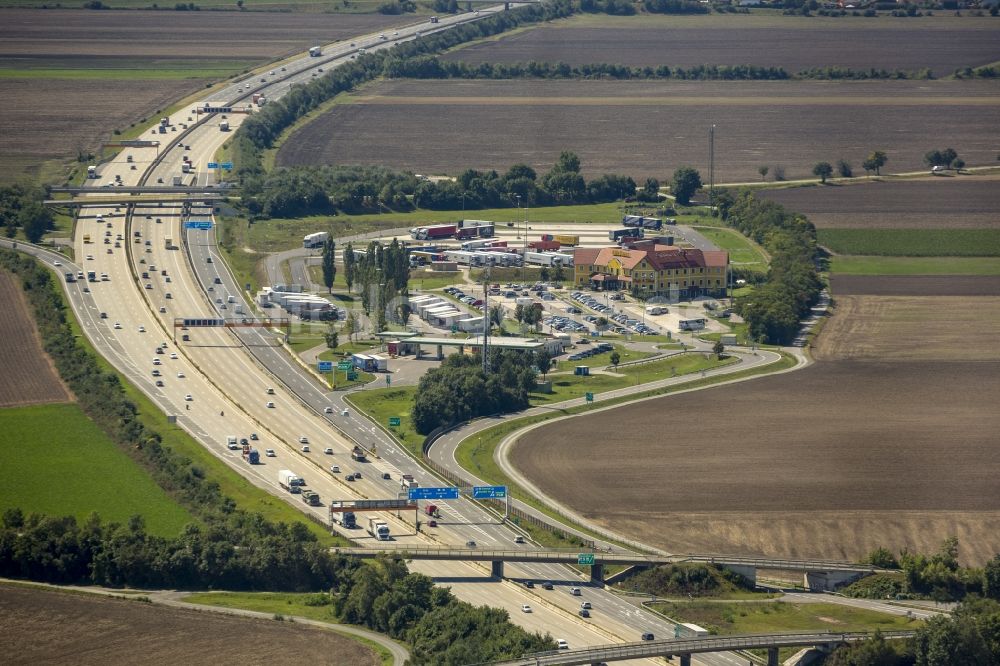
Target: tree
601	323
991	578
615	358
823	170
35	220
959	164
544	362
844	168
763	173
943	158
329	265
349	263
496	316
351	326
544	273
685	183
882	558
718	348
651	190
876	160
558	274
331	336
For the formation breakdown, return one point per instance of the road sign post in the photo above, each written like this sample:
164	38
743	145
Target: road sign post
394	421
585	559
590	397
446	493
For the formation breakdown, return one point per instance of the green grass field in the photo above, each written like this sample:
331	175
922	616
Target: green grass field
382	403
867	265
54	460
912	242
312	606
742	251
759	618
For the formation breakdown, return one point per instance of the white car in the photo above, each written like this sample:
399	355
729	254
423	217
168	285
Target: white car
328	451
270	405
163	309
156	361
188	398
118	326
57	263
305	448
180	375
345	413
335	469
525	608
303	440
328	410
563	645
90	257
173	356
269	453
142	329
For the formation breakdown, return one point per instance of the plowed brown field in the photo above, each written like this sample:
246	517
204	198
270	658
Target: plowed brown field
50	627
28	376
942	44
648	128
966	202
889	439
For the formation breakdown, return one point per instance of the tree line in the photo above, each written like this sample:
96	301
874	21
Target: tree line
773	310
458	390
433	67
21	208
227	548
382	275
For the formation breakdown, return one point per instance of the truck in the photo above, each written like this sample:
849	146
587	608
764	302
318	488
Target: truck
91	276
231	443
341	517
251	455
92	172
290	481
310	497
434	19
618	234
407	481
86	238
315	51
224	126
358	454
186	167
378	529
168	243
432	511
692	324
315	240
544	245
178	181
568	241
641	221
433	232
256	98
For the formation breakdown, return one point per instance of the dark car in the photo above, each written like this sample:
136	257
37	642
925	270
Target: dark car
647	636
547	585
528	584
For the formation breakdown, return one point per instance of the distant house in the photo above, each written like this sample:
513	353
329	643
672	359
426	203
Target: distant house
663	270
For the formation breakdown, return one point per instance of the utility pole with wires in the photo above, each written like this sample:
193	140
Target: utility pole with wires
486	319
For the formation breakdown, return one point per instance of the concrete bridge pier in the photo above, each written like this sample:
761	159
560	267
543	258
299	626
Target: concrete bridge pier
597	573
496	568
685	659
748	572
440	352
828	581
772	656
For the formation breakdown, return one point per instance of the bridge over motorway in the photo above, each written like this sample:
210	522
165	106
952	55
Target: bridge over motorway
817	574
685	647
177	198
144	189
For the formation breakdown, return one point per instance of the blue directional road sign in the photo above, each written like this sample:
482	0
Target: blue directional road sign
227	165
198	224
325	366
489	492
213	165
432	494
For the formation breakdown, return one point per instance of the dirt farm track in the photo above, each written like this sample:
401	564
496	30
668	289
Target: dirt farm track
888	439
28	375
42	626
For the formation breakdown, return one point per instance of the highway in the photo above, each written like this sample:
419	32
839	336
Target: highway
216	388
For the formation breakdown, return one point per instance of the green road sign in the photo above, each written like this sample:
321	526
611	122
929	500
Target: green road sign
352	375
344	365
388	380
585	559
454	328
590	397
393	421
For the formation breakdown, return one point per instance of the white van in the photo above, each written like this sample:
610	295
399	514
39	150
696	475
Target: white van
231	442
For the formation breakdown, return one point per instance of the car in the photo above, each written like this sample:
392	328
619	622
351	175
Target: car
305	448
470	544
269	405
575	591
519	539
547	585
118	326
562	644
269	390
328	410
188	398
269	453
173	356
647	636
357	475
335	469
584	612
149	286
525	608
90	257
142	329
86	289
157	361
585	605
159	382
271	72
349	477
168	294
303	439
345	413
529	584
328	451
254	437
432	523
386	475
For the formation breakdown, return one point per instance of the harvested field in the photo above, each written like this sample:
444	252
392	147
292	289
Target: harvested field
644	128
942	44
914	285
43	626
966	202
28	374
912	328
36	123
888	439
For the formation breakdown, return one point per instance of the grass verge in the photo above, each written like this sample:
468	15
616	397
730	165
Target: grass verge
742	251
56	461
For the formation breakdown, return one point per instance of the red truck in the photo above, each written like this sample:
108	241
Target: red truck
544	245
432	511
437	231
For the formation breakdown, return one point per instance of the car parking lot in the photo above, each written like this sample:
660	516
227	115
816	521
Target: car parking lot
625	323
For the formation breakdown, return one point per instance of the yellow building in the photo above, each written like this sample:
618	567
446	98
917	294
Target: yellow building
663	270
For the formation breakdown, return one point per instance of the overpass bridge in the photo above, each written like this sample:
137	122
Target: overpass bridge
685	647
178	198
143	189
817	574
